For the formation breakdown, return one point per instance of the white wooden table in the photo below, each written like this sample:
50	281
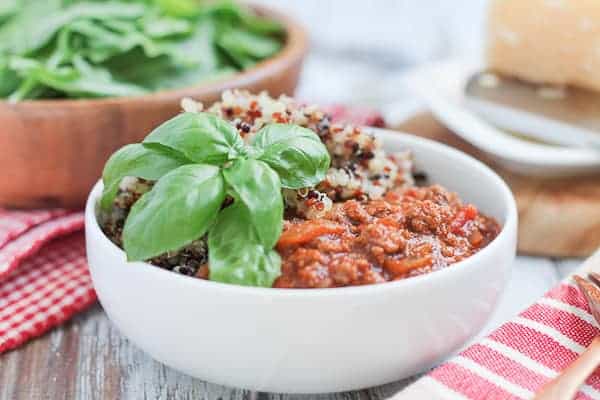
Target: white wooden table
88	359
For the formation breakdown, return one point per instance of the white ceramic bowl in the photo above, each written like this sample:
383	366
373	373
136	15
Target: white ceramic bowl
314	340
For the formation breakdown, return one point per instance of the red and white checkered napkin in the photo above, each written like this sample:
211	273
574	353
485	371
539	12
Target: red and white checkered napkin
44	278
515	360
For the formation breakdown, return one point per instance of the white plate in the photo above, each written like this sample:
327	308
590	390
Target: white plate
314	340
441	85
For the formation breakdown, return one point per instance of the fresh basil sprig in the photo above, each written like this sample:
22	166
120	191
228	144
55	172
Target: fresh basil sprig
253	183
206	139
180	208
296	154
197	161
139	161
236	254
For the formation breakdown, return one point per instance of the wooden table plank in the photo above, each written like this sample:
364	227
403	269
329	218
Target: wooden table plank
87	358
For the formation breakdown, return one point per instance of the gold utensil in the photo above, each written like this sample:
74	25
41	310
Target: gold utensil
565	385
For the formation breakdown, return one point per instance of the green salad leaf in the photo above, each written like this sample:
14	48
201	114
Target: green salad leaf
233	11
179	209
296	153
208	181
201	137
126	47
179	8
248	44
43	28
82	79
235	253
10	80
253	183
8	8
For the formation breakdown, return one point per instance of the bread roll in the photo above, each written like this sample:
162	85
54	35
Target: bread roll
554	42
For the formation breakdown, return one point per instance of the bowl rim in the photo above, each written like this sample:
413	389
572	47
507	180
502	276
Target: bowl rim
509	227
294	49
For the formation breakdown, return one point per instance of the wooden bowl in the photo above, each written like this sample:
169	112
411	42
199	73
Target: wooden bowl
53	151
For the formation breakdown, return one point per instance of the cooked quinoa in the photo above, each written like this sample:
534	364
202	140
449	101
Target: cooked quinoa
360	168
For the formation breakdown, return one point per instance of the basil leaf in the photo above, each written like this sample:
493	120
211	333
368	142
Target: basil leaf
257	186
138	161
201	137
235	254
296	153
179	209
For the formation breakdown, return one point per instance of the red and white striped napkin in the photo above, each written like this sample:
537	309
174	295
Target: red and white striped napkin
517	359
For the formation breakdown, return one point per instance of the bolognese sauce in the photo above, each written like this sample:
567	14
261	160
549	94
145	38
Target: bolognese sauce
407	233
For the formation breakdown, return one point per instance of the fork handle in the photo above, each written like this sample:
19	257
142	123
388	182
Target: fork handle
566	385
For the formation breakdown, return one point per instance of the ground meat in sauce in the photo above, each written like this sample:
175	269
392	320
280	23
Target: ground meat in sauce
409	232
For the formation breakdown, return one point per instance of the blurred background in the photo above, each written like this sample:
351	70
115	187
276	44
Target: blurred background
367	47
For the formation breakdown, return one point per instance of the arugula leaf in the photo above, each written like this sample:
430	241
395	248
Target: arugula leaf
201	137
257	186
138	161
296	153
179	209
235	253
